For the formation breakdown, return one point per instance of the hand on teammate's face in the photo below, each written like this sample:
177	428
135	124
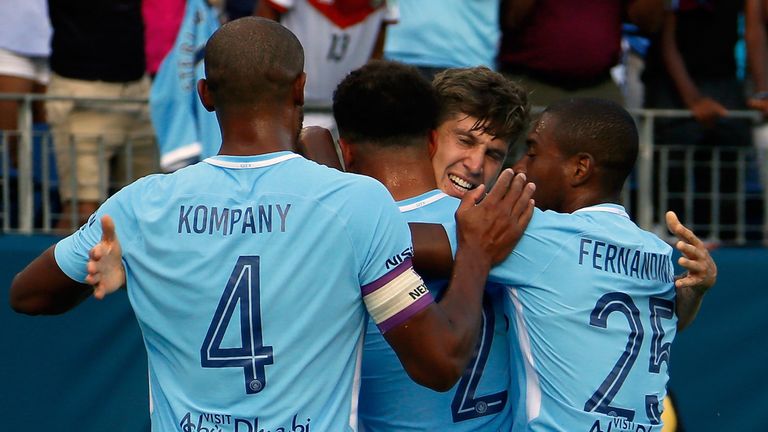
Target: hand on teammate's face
492	224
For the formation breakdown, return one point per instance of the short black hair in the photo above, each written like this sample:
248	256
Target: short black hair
385	102
500	105
601	128
250	60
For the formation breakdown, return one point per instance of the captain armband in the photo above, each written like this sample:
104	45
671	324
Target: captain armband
397	296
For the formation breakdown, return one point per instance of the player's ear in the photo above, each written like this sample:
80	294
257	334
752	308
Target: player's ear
298	89
582	168
206	98
432	143
347	153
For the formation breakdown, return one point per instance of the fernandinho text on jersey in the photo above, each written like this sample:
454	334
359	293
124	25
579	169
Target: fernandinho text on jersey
257	219
635	263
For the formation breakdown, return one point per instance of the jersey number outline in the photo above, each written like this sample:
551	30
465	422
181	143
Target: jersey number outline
465	405
253	356
620	302
339	45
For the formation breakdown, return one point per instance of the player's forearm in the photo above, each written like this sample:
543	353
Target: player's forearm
42	288
687	305
435	345
462	307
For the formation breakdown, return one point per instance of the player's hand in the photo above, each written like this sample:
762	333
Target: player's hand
702	271
105	266
491	225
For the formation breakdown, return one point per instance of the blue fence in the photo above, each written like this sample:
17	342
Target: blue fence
87	371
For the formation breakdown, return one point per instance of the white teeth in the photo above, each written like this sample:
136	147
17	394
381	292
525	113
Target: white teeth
458	181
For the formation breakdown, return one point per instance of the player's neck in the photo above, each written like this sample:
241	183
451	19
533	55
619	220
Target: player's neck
588	199
404	177
243	135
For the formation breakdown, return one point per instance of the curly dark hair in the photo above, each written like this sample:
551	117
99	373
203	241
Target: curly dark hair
386	102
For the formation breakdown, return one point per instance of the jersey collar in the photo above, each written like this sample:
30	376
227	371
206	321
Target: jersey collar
607	208
249	162
419	201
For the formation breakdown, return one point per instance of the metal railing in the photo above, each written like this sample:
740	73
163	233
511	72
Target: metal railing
647	195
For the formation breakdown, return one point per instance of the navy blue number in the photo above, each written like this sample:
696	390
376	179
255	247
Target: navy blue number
242	291
660	350
660	309
601	399
465	405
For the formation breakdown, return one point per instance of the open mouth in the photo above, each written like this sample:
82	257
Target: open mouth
461	184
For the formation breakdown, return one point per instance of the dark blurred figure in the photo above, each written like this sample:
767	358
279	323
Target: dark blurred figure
98	51
562	49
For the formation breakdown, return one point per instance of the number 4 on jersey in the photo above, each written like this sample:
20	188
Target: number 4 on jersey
242	291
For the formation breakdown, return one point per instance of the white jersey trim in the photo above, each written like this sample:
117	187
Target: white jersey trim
170	161
250	165
532	385
606	209
422	203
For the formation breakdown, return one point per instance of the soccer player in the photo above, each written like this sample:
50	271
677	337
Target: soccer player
481	114
386	113
375	106
592	295
250	273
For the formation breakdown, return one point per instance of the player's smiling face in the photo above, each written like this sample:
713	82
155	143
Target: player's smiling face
463	158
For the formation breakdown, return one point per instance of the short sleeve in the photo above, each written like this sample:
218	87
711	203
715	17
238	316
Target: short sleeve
381	235
71	253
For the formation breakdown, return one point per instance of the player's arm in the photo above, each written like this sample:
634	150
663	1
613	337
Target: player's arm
43	288
436	344
316	143
701	272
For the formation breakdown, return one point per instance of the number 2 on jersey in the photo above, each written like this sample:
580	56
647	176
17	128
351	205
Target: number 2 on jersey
242	291
465	405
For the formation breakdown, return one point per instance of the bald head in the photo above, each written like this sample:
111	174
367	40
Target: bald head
252	60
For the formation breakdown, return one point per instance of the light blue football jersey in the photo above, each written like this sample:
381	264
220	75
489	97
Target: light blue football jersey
245	275
391	402
591	297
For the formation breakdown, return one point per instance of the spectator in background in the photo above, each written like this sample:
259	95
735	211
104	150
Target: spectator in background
757	54
337	37
560	49
162	20
691	65
25	34
98	51
437	34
